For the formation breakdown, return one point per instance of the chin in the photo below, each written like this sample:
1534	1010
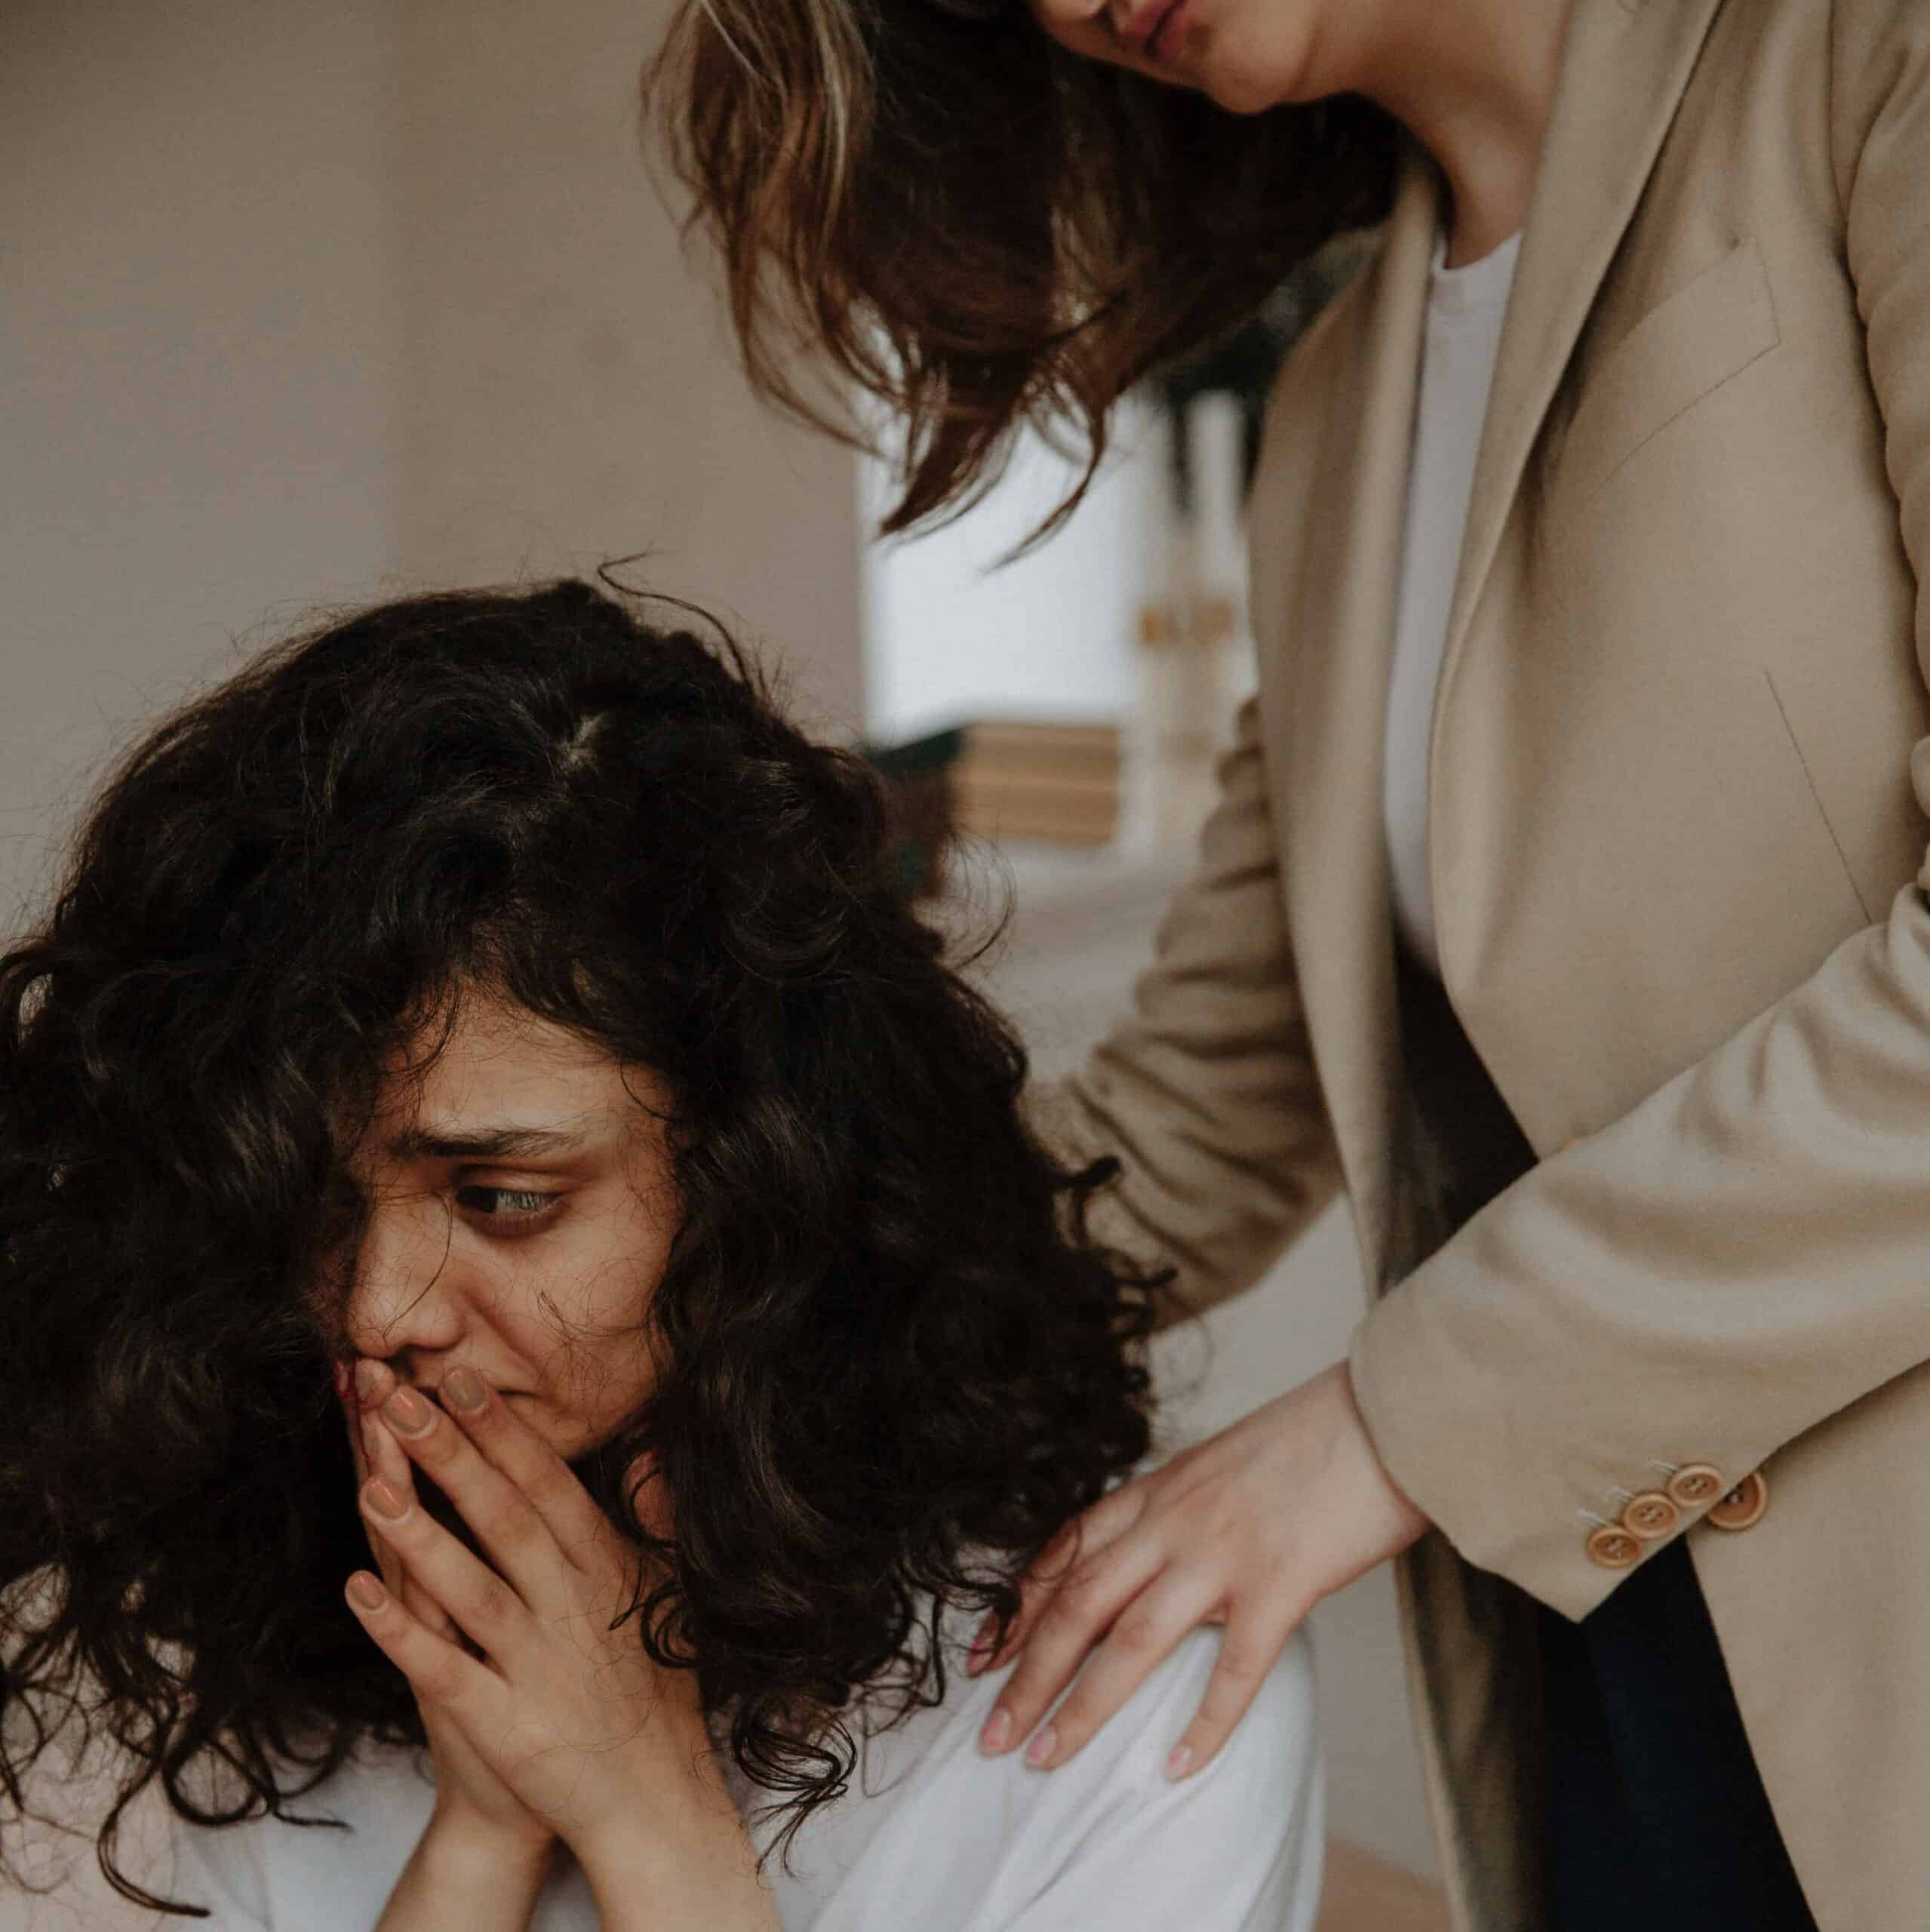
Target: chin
1248	73
1238	98
1247	86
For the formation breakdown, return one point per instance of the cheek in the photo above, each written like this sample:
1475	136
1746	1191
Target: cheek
580	1313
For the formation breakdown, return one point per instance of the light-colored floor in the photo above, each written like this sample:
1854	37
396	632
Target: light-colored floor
1364	1893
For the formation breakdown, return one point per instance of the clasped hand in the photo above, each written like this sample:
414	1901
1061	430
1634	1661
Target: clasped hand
566	1715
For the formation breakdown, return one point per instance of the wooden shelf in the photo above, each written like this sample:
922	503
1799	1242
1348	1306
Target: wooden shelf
1022	779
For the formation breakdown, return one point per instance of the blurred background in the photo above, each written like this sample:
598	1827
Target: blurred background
305	305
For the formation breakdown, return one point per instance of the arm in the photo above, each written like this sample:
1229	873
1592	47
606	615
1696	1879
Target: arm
454	1877
1206	1091
1742	1256
706	1875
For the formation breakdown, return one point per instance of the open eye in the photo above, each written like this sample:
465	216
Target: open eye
505	1207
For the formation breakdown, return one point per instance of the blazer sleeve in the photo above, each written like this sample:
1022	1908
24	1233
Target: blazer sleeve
1748	1251
1205	1091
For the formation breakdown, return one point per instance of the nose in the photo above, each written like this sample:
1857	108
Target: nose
405	1286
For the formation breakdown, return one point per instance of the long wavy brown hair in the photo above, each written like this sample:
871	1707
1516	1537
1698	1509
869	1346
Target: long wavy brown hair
979	227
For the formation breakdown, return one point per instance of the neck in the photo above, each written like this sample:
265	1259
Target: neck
1473	81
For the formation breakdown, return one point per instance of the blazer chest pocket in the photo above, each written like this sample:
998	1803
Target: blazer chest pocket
1709	330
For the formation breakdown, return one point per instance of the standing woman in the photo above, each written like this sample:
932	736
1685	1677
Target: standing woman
1563	903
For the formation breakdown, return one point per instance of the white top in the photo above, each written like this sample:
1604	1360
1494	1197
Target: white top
931	1835
1465	306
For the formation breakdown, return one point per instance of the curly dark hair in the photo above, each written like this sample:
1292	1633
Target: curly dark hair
894	1362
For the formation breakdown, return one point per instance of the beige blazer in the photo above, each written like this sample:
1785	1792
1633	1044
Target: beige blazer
1678	791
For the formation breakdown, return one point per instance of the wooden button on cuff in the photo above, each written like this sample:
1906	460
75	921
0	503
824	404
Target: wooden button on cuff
1695	1483
1650	1514
1613	1547
1743	1506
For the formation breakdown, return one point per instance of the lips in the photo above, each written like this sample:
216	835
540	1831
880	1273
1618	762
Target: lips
1142	32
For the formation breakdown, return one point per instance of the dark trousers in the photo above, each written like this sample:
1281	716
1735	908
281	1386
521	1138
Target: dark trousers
1655	1820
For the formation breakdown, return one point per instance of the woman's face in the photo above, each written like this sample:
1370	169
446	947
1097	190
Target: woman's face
1247	55
521	1211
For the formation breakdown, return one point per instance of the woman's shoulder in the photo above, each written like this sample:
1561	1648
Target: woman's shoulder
931	1824
1273	1752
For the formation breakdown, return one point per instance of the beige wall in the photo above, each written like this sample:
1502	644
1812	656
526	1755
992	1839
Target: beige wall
201	338
302	303
568	393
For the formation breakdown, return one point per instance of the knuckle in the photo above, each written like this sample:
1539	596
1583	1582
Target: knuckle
1035	1599
489	1602
1242	1664
1080	1591
1074	1723
1049	1573
1060	1623
517	1522
1137	1634
1025	1697
442	1680
423	1608
550	1484
1224	1521
1225	1701
1069	1533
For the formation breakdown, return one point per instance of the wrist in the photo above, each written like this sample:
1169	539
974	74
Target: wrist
650	1880
462	1843
1411	1519
665	1794
463	1873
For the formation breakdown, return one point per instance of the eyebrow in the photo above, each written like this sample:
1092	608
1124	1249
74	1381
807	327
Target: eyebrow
486	1143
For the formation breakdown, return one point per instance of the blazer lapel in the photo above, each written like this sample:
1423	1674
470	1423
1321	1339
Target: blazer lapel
1624	67
1324	724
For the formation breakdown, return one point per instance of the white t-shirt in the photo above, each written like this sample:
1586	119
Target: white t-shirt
931	1837
1465	309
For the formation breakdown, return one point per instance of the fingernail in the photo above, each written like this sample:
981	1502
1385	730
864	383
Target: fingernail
367	1590
408	1412
368	1381
1180	1761
464	1387
384	1499
997	1733
1042	1746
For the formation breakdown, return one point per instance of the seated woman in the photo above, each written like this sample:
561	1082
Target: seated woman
491	998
